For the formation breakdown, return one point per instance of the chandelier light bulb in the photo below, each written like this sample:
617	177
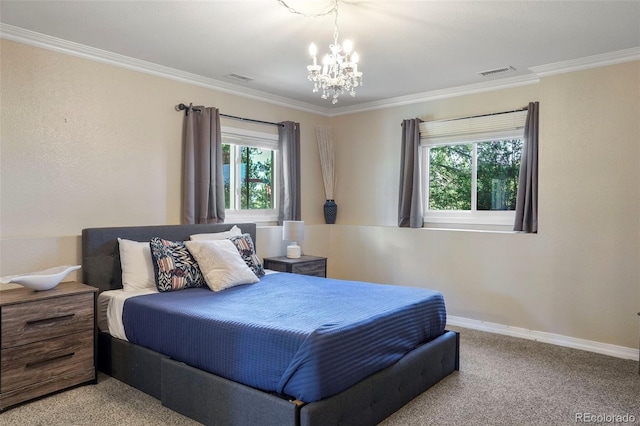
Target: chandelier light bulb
355	58
347	46
313	50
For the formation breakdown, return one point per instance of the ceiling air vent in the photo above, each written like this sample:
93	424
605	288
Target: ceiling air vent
496	71
242	78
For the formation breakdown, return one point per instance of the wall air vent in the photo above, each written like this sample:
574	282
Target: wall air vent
242	78
496	71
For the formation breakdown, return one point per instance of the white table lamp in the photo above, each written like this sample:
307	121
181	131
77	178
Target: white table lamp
293	231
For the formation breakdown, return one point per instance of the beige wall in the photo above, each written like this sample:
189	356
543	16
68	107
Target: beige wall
85	144
579	276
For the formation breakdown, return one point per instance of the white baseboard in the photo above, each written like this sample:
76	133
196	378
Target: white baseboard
541	336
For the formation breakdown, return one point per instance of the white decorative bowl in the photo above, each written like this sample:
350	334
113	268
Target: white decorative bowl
42	280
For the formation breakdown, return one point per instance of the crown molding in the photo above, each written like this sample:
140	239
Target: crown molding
610	58
13	33
451	92
605	59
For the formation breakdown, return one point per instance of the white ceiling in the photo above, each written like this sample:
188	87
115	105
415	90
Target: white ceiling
406	47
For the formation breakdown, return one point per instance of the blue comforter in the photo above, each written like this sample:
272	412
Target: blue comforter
301	336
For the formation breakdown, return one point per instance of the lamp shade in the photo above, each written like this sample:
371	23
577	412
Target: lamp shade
293	230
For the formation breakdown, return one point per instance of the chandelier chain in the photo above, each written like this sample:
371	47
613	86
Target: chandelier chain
335	24
334	9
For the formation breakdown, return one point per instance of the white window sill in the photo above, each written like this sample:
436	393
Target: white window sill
259	217
470	227
496	221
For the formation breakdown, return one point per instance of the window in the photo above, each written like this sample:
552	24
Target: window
249	169
470	169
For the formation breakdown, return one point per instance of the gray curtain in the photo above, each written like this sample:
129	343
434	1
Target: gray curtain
527	202
410	199
289	171
203	182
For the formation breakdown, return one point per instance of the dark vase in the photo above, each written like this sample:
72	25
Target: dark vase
330	211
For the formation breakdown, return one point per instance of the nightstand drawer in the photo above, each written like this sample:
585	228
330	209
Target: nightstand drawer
29	322
42	361
316	268
275	266
304	265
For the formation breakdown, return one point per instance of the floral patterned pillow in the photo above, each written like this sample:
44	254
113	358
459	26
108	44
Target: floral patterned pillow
174	266
245	246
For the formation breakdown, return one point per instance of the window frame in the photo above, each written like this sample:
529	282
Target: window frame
466	219
237	137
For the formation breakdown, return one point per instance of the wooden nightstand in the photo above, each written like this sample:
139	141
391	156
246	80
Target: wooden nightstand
305	265
47	341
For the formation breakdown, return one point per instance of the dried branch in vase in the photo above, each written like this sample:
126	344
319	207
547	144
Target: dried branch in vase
326	149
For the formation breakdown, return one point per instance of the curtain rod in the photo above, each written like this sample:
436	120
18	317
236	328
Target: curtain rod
487	115
183	107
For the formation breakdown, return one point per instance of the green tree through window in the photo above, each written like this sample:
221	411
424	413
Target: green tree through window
497	177
257	180
252	178
451	175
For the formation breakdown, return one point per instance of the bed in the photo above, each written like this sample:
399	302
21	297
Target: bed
184	385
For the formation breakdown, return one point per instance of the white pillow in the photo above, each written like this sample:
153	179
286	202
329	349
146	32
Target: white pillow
221	264
137	267
218	235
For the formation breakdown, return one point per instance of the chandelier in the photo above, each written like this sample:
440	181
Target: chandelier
339	71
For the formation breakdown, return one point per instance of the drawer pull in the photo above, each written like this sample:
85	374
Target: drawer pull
47	361
49	320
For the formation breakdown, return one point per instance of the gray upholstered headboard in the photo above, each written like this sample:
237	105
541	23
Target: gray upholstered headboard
101	255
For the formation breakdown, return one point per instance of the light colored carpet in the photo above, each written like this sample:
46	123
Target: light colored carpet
510	381
108	403
502	381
